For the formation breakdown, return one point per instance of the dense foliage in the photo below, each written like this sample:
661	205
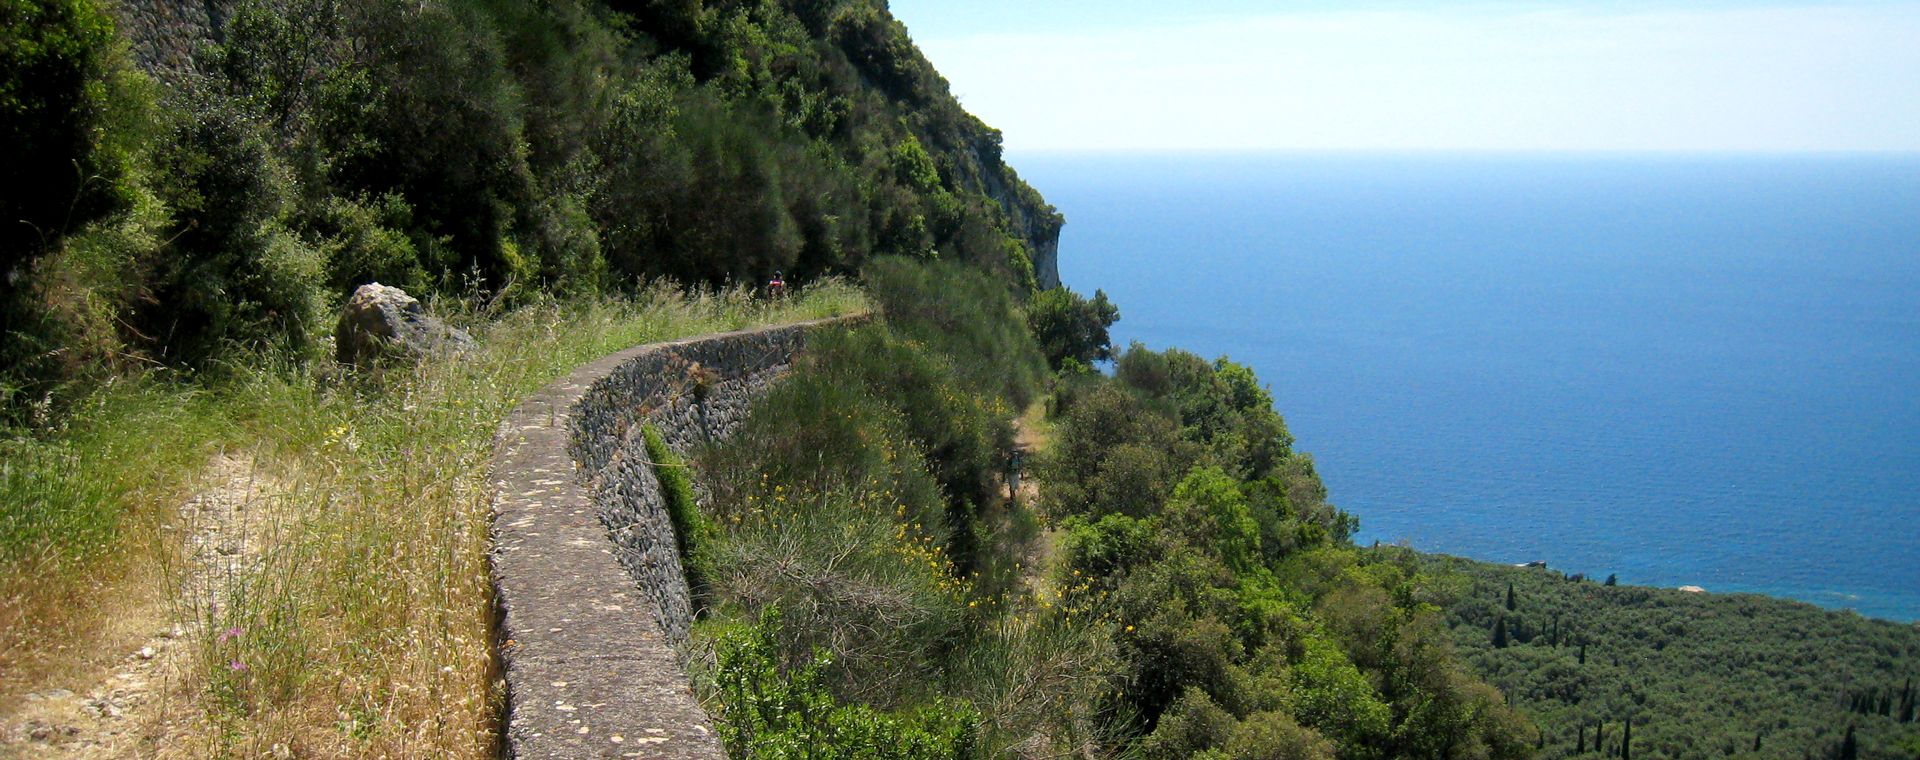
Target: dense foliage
1251	627
1070	327
1195	595
464	147
856	501
1697	675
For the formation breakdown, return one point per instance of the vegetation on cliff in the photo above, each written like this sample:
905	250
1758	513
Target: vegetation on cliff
1697	675
1181	587
554	176
471	148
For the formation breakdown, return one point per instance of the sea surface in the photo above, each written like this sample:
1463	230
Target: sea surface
1681	369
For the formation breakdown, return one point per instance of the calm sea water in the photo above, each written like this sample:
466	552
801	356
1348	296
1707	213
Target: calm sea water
1683	370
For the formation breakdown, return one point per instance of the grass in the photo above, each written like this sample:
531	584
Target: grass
362	628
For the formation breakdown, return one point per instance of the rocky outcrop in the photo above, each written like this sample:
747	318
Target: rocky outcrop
587	573
381	322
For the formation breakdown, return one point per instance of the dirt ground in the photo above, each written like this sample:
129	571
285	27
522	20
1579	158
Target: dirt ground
123	697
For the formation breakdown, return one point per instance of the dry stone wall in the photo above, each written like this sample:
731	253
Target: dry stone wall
587	574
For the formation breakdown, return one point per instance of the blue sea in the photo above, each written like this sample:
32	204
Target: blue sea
1684	370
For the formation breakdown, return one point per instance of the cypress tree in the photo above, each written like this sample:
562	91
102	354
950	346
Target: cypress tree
1509	596
1626	742
1613	579
1600	736
1500	634
1756	741
1580	746
1583	653
1849	748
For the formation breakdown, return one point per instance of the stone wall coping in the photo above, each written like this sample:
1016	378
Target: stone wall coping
589	672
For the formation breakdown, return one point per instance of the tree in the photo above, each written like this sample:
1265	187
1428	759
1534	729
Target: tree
1626	741
1849	747
1068	326
1500	634
1509	596
50	106
1613	579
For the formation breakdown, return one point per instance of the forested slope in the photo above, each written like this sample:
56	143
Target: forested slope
225	199
1697	674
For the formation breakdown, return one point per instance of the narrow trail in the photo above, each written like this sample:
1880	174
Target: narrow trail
1032	436
127	703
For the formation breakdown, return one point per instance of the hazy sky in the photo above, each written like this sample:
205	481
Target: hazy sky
1623	75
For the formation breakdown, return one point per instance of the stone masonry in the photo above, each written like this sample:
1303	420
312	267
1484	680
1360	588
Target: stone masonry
587	575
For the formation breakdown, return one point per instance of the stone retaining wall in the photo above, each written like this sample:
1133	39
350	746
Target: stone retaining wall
586	571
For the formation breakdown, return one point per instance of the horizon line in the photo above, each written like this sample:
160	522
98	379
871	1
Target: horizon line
1623	152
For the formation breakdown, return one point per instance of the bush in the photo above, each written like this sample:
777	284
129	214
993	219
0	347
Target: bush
73	121
233	275
52	61
967	317
769	710
1069	326
1113	454
1275	736
366	241
963	435
1193	724
854	581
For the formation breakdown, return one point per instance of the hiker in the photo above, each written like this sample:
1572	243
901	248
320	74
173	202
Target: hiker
776	287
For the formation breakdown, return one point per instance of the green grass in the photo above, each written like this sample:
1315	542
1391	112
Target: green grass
363	630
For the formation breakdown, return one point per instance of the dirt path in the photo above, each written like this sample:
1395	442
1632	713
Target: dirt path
124	700
1032	433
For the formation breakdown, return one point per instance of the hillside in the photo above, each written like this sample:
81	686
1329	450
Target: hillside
1698	674
216	539
198	178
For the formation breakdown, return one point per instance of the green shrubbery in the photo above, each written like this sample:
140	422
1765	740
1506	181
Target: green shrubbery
1250	628
690	529
1696	674
464	148
767	710
1200	600
854	501
1071	328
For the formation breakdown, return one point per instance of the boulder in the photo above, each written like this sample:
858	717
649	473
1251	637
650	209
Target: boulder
381	321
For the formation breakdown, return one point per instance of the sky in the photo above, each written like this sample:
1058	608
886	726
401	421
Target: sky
1237	75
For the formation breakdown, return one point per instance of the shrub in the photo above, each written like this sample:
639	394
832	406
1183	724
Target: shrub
965	316
853	580
51	103
1070	326
233	275
366	241
964	436
1274	735
770	710
1192	724
1113	454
